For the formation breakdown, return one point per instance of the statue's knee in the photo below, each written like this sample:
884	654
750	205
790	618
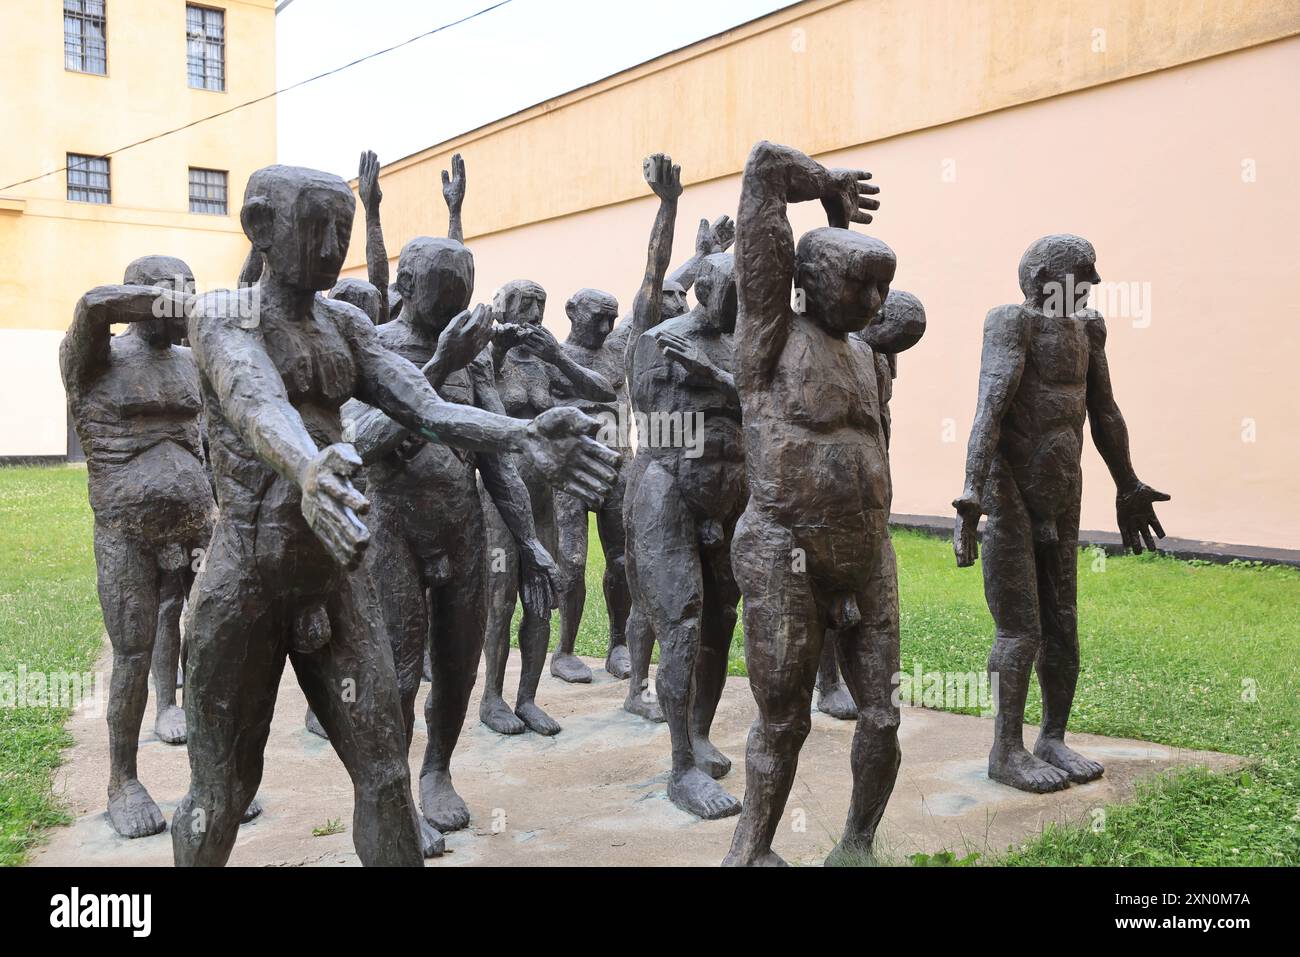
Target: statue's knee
792	731
879	722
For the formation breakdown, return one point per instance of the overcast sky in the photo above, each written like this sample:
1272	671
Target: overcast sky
468	75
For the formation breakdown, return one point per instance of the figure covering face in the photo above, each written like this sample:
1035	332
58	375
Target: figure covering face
683	499
276	363
1043	371
134	400
812	550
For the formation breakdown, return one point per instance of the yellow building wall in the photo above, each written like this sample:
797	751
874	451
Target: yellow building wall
986	126
53	250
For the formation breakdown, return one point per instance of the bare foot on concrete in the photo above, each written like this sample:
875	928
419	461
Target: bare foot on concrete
253	810
442	806
432	843
708	758
537	719
837	702
132	812
696	793
314	726
1020	769
643	704
618	662
767	859
496	714
1079	768
570	668
169	725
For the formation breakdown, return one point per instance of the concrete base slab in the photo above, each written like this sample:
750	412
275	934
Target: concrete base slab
596	794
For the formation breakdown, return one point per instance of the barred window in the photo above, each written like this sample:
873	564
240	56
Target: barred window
205	47
208	191
85	36
88	180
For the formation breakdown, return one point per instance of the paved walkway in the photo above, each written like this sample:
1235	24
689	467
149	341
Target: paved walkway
596	793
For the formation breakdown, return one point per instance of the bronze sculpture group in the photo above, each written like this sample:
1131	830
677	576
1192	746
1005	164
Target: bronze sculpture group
365	484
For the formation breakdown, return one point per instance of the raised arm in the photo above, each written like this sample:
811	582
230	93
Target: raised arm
774	177
1002	362
710	238
376	254
1133	499
84	351
453	192
666	181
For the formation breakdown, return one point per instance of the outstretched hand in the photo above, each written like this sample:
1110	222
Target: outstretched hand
453	185
330	504
368	181
1135	510
849	196
662	176
559	444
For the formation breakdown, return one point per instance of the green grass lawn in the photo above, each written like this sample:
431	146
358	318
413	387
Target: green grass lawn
49	621
1184	654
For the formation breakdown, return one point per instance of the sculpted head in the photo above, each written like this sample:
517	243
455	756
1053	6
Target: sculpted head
899	326
715	288
592	314
435	279
1058	271
300	220
520	300
359	293
169	273
674	302
844	276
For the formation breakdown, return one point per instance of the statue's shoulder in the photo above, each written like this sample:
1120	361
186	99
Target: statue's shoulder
1008	322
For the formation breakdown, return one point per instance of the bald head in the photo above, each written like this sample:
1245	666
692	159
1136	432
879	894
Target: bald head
1059	267
592	314
844	276
520	300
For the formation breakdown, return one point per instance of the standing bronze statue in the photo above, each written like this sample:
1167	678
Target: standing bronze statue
684	499
532	370
428	560
812	550
899	326
710	239
276	362
134	400
1042	372
592	314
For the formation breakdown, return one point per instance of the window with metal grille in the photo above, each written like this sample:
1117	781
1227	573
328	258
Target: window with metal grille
85	36
88	180
205	47
208	191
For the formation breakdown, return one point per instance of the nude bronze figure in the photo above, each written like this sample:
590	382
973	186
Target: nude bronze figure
1042	372
134	400
812	551
710	239
276	363
899	326
684	499
533	372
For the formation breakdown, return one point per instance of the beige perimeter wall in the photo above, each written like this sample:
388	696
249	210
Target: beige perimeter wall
1169	139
